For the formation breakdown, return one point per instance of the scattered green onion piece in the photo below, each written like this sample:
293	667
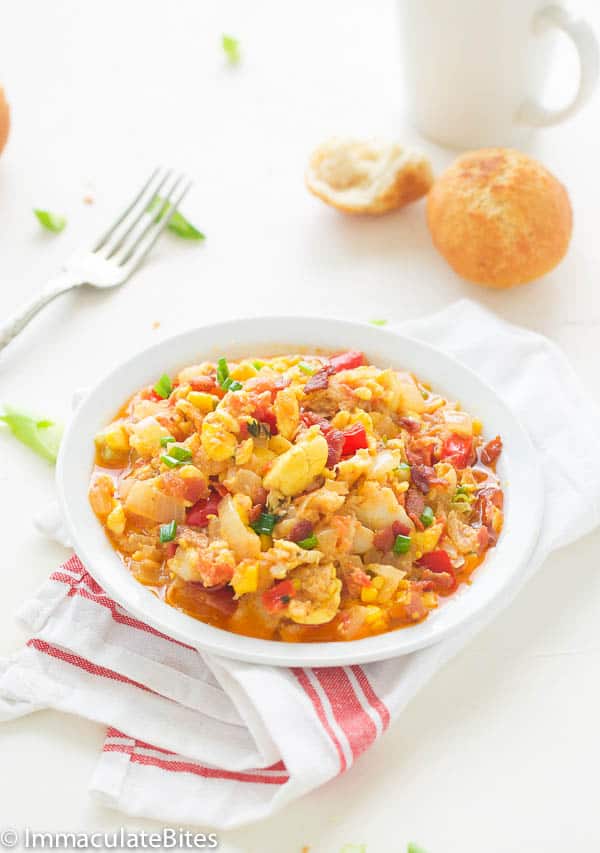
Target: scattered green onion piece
232	385
168	531
164	386
309	543
265	523
415	848
258	365
50	221
402	544
41	436
170	461
181	454
178	224
166	439
231	46
258	428
427	517
222	371
306	368
378	322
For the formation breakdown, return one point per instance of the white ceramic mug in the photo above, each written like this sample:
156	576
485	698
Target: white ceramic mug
474	69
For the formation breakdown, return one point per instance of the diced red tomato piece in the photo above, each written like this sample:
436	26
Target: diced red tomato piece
457	449
198	514
347	360
278	596
438	563
355	438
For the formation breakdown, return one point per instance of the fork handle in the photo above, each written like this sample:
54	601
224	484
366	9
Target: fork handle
11	327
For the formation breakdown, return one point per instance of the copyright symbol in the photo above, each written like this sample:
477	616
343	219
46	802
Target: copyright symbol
9	838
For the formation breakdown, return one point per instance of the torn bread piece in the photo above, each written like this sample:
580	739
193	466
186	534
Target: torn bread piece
368	177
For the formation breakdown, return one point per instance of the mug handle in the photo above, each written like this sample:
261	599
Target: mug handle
582	36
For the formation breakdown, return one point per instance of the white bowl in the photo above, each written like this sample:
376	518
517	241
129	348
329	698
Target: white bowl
518	470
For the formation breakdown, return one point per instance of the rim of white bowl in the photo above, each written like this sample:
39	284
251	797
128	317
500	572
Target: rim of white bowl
519	471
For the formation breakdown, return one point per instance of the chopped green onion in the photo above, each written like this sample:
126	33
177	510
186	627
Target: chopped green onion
164	386
309	543
265	523
231	46
258	428
178	224
232	385
402	544
166	439
181	454
50	221
168	531
415	848
41	436
170	461
427	517
258	365
306	368
222	371
378	322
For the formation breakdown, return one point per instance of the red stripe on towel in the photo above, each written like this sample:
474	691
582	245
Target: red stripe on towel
372	698
179	766
318	706
347	709
83	663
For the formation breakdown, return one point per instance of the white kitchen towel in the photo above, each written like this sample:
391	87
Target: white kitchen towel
201	740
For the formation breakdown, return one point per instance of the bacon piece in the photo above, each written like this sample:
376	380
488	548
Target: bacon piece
410	424
319	380
301	530
384	539
419	453
491	451
335	439
443	582
414	502
255	512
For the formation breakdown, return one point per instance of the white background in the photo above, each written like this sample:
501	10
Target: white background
500	752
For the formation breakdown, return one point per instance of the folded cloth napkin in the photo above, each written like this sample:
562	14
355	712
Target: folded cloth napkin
197	739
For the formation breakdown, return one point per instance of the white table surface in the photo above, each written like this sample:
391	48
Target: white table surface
500	752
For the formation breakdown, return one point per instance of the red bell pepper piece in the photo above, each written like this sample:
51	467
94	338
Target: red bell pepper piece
347	360
355	438
439	563
457	449
278	596
198	514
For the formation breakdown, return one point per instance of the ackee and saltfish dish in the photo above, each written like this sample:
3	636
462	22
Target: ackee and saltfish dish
298	498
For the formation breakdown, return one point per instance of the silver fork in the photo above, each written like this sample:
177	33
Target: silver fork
118	252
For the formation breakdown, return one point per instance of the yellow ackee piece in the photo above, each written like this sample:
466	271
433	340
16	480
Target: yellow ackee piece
278	444
426	540
477	426
368	594
245	577
202	401
115	520
218	435
295	469
266	541
117	438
